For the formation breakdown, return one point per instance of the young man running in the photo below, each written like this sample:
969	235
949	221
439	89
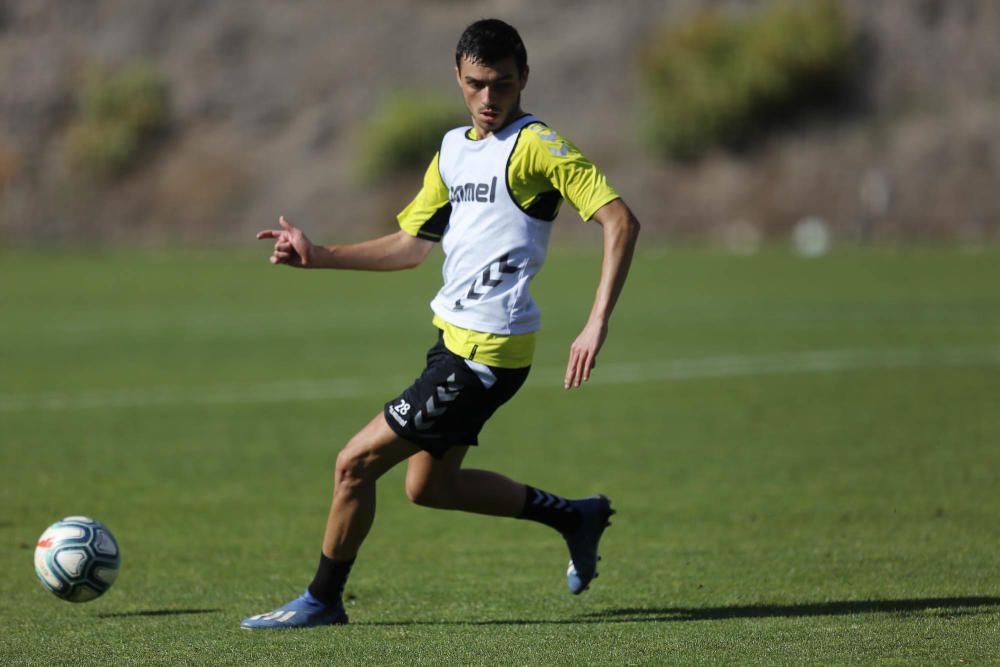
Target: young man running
489	197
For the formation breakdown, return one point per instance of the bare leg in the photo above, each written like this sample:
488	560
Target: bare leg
371	453
444	484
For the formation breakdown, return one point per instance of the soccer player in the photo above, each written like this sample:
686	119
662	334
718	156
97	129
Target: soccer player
489	197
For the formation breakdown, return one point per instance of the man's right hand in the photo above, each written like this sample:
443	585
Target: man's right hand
291	246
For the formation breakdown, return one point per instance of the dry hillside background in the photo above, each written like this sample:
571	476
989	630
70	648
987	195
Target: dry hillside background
268	100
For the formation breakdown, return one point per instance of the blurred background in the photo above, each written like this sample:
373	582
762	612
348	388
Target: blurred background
143	122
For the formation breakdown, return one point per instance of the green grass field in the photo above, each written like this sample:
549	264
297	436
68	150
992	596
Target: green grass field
805	456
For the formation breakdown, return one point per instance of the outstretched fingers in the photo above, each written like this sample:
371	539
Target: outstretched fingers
286	229
285	250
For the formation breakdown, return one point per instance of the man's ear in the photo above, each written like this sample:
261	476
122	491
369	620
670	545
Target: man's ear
524	77
458	76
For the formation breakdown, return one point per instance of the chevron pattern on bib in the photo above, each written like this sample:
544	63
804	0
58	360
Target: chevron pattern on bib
491	277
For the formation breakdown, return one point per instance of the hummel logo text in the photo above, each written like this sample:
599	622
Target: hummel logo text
480	192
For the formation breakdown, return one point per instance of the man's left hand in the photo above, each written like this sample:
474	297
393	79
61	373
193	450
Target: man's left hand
583	353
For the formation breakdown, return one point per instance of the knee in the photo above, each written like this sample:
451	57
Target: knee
350	469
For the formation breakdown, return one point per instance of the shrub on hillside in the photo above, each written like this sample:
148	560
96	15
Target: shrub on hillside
117	117
404	132
719	79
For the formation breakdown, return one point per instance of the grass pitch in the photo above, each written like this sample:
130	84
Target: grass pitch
804	455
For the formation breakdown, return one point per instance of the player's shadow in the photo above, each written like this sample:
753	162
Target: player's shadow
157	612
948	607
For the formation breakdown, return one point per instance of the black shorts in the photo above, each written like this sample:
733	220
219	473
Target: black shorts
451	400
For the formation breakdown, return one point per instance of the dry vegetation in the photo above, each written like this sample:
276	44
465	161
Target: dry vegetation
268	103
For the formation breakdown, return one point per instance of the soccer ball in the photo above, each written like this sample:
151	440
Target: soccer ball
77	558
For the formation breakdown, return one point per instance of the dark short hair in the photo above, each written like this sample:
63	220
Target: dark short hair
488	41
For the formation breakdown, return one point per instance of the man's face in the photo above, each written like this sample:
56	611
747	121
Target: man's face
492	92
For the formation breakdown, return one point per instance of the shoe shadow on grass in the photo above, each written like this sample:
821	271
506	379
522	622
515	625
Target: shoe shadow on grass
942	607
157	612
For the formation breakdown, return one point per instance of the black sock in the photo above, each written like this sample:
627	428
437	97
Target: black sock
549	509
331	575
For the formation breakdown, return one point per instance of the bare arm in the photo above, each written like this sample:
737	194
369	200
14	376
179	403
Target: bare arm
621	229
386	253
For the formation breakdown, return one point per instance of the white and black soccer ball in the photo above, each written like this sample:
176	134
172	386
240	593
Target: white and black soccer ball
77	558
